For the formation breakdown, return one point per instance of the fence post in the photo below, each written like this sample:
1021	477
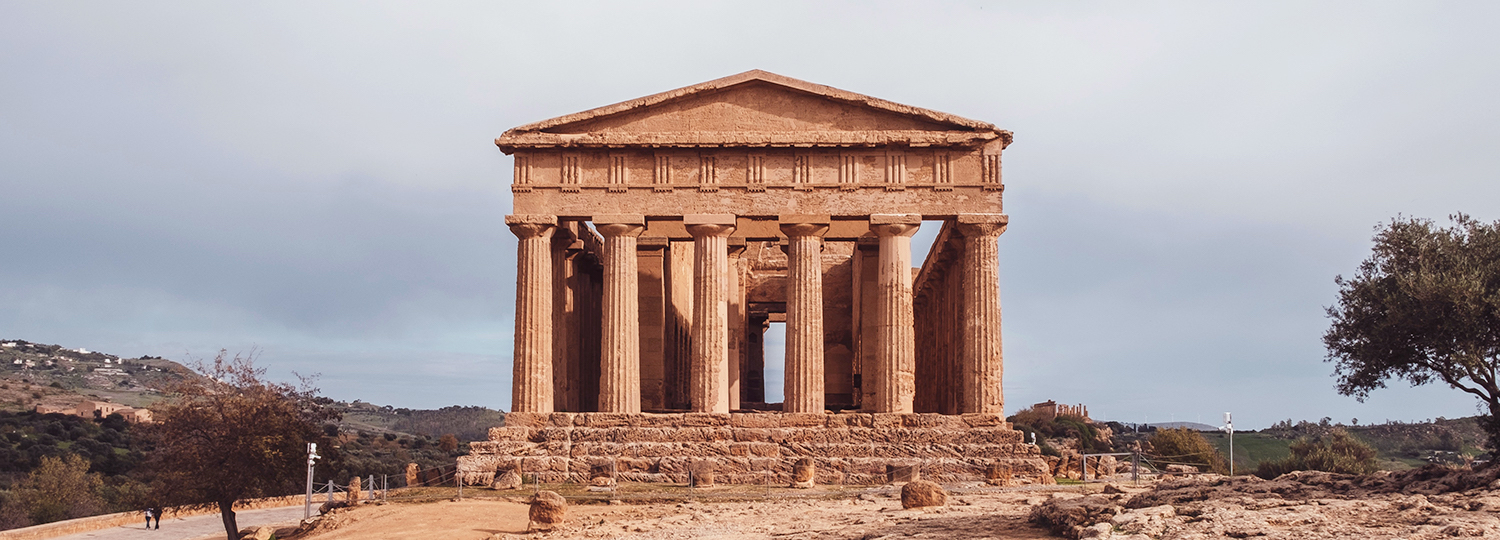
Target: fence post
1135	468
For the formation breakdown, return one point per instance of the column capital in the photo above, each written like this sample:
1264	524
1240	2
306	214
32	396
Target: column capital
531	225
895	224
804	225
704	225
612	225
563	237
981	225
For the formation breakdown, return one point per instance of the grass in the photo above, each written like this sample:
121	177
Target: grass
1250	449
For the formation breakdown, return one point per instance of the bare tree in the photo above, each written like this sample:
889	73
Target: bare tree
232	435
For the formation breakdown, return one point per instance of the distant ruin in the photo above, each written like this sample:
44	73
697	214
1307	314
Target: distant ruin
1051	409
660	237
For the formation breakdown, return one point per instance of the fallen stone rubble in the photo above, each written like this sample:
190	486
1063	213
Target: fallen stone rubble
1431	502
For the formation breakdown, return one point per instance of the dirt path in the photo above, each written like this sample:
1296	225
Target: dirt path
874	514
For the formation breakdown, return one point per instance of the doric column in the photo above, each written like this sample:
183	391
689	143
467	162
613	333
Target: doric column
983	360
619	343
804	312
709	391
895	338
531	382
564	328
737	329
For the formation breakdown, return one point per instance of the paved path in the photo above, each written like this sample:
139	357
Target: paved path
190	528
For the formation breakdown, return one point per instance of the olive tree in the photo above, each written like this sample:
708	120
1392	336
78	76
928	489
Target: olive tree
230	436
1424	307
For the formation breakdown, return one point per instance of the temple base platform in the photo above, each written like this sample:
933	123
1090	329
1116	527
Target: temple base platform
756	448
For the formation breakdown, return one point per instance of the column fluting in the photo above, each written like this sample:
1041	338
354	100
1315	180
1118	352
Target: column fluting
710	362
619	343
895	337
531	380
983	358
804	387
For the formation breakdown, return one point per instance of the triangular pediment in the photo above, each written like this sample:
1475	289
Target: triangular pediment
752	108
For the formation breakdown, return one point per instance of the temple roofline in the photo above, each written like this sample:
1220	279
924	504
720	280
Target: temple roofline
533	134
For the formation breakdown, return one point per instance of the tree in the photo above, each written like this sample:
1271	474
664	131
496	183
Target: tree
1335	452
232	435
61	488
448	443
1424	307
1183	445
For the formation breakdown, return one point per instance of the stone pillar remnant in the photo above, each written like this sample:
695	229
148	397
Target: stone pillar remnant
532	388
619	347
982	355
710	362
804	312
895	336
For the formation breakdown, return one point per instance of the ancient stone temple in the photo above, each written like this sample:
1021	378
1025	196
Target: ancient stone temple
660	237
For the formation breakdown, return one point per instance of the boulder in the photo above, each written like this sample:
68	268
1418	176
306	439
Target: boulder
602	481
802	473
903	472
331	506
1181	469
354	494
548	511
258	533
920	493
411	474
507	480
998	474
703	473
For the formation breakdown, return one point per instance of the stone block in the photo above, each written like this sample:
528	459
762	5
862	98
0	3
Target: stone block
560	419
705	420
527	419
669	420
886	420
804	420
510	433
607	420
849	420
657	450
553	434
951	422
635	465
981	420
755	420
498	447
752	435
922	420
805	435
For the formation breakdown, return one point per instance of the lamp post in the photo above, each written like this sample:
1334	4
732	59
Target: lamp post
312	457
1229	427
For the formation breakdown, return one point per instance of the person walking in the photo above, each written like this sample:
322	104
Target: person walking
158	517
149	514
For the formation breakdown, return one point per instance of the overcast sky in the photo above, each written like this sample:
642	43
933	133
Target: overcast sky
319	180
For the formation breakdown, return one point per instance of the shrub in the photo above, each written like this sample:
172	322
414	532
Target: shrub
1336	452
1186	446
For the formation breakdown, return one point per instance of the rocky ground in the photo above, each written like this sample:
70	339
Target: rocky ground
845	513
1433	502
